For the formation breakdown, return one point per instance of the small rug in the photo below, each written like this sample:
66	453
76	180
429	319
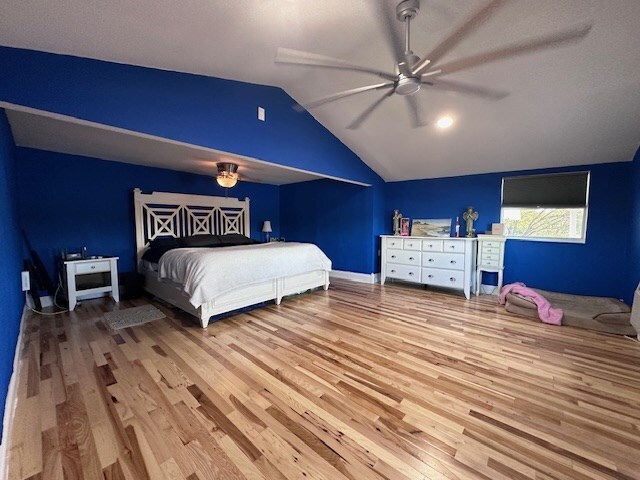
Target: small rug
131	317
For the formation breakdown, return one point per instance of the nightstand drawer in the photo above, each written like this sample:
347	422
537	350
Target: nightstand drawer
490	258
491	244
93	267
403	272
406	257
490	250
452	246
490	263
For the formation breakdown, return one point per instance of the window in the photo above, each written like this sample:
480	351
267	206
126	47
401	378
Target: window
550	207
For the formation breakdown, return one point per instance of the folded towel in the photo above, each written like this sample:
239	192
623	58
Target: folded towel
546	312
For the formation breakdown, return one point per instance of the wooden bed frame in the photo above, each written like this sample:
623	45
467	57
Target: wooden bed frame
179	215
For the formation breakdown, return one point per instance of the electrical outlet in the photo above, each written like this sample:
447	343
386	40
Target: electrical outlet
261	114
26	282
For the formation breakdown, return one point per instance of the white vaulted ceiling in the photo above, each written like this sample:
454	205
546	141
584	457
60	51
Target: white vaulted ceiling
577	104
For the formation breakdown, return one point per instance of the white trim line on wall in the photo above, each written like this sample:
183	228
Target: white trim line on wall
11	401
355	276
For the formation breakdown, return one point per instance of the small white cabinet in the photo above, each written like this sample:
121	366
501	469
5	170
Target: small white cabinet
75	271
490	258
442	262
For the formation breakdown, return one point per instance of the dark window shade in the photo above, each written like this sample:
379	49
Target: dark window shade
561	190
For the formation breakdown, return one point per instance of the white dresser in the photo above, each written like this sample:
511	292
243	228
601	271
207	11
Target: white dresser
442	262
490	258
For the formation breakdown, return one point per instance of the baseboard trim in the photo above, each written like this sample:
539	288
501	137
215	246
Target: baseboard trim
355	276
11	401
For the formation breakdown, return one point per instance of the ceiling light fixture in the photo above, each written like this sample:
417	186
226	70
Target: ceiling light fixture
444	122
227	174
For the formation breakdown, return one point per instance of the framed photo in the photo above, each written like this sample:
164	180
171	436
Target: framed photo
431	227
404	227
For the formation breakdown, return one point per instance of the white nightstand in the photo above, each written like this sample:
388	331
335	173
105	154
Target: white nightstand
490	258
83	279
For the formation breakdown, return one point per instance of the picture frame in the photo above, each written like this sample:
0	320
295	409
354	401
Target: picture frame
404	227
438	227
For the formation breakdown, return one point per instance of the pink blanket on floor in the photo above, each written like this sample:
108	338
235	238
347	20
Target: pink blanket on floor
546	312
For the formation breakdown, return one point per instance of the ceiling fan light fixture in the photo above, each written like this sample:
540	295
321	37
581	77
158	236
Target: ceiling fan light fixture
227	174
444	122
407	85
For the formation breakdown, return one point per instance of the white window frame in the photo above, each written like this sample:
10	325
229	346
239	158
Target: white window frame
581	240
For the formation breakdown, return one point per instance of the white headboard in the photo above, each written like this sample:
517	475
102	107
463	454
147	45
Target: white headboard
180	215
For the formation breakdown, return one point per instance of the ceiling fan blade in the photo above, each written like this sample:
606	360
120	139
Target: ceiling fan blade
417	113
347	93
297	57
458	87
557	39
364	115
470	24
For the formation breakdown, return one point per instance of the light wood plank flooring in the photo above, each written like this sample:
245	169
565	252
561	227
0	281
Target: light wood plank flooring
360	382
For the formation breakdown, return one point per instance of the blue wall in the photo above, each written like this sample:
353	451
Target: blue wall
11	296
336	216
205	111
68	201
634	228
593	268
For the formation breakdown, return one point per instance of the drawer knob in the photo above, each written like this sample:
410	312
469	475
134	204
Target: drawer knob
453	279
431	260
430	276
430	245
452	246
452	262
410	273
410	258
393	271
411	244
393	256
93	267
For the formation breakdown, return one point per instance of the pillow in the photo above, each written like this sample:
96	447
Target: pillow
232	239
201	241
159	246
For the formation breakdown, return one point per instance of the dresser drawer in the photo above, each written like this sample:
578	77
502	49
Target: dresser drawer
432	245
452	261
394	243
451	246
403	272
411	244
443	278
406	257
93	267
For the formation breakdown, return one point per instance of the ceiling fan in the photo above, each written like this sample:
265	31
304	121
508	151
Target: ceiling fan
413	74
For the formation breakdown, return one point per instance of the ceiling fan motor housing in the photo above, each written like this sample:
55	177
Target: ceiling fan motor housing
407	85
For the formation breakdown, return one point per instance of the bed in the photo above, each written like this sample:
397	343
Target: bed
163	214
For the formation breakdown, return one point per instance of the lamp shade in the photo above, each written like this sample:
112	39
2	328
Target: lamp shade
266	227
227	180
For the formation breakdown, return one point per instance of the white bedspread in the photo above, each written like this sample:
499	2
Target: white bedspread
206	273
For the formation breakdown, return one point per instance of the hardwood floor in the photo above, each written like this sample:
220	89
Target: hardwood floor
360	382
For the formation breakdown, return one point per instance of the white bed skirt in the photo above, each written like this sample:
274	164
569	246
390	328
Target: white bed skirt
241	297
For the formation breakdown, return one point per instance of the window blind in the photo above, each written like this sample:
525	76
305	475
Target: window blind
559	190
